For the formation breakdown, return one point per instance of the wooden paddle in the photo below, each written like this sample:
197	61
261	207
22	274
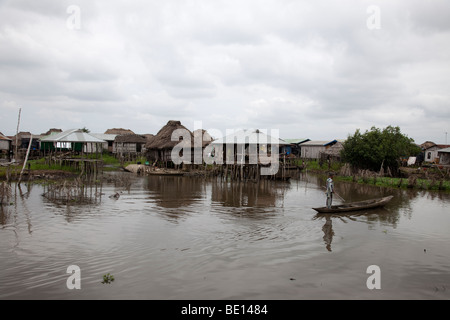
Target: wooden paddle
334	192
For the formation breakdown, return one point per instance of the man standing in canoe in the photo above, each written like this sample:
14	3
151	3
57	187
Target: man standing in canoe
330	190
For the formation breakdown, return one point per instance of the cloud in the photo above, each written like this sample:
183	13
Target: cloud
311	69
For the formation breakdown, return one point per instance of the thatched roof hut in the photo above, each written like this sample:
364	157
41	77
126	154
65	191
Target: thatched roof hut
204	136
130	138
159	147
118	131
163	139
148	136
51	131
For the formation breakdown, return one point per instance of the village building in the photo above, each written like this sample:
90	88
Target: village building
201	140
430	150
108	138
444	156
241	145
147	136
315	149
23	140
5	144
70	148
159	147
333	152
51	131
20	143
129	145
296	145
73	140
250	154
119	131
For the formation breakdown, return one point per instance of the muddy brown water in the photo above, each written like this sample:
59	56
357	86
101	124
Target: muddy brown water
194	238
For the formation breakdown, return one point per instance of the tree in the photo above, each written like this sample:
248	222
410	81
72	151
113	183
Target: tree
378	148
84	129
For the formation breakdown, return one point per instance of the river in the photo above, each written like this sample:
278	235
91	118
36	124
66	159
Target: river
168	237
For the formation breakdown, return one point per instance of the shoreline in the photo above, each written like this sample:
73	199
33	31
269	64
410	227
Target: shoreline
410	179
50	174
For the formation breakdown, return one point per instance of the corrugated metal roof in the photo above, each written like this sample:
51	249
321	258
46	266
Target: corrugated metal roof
296	141
73	135
249	136
318	142
2	137
104	136
444	150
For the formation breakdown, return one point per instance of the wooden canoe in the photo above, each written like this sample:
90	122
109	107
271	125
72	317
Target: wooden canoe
355	206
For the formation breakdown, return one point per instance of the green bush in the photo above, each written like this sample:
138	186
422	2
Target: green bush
376	148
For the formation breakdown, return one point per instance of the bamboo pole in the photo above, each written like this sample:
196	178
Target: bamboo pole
26	158
17	134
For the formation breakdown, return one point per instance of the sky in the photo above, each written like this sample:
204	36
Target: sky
303	69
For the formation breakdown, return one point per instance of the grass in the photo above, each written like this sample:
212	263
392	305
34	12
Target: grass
33	165
314	165
110	164
402	183
113	163
41	165
142	160
12	172
107	158
389	182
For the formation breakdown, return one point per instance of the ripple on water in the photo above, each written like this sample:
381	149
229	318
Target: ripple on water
183	238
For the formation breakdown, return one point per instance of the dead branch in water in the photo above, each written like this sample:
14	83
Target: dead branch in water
5	193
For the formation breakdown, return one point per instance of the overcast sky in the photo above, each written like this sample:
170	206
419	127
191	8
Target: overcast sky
310	69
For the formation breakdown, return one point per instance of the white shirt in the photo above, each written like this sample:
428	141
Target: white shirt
330	186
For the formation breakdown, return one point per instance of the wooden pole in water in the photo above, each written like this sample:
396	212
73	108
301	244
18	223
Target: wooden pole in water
17	135
26	159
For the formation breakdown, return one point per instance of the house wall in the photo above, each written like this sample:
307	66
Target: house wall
125	147
5	145
311	152
110	145
58	146
95	147
334	150
159	155
431	154
444	158
128	147
24	142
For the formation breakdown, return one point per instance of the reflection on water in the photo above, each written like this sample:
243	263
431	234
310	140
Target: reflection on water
328	232
265	194
171	237
173	191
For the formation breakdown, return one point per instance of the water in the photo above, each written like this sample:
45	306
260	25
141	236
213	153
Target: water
190	238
